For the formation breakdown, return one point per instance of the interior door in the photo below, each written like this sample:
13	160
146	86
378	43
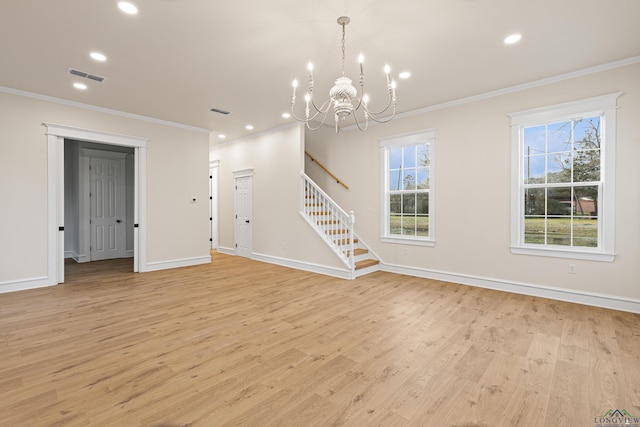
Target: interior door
107	208
243	216
213	207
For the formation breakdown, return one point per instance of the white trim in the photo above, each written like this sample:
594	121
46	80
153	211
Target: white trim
605	105
99	109
408	241
25	284
410	138
225	250
565	111
89	135
176	263
525	86
56	135
563	253
243	173
579	297
425	136
304	266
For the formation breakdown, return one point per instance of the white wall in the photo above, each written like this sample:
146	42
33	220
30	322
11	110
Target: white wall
177	169
280	235
473	190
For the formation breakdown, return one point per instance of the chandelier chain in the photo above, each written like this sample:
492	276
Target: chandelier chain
343	47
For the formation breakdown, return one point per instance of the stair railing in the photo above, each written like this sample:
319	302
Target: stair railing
317	205
324	168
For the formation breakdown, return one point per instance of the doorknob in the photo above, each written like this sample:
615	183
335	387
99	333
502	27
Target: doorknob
118	221
247	221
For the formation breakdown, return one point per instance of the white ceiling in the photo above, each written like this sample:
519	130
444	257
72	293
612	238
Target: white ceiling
177	58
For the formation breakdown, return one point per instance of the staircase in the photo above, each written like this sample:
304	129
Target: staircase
335	227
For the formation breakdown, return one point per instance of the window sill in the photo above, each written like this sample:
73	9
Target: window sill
408	241
563	253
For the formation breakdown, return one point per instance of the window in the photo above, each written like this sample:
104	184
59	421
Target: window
408	189
563	183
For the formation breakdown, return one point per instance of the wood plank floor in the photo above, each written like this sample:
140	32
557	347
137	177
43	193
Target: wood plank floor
240	342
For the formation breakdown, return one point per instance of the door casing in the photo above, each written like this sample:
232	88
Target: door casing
56	134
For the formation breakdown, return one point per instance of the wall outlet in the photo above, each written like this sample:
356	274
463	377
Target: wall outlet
572	269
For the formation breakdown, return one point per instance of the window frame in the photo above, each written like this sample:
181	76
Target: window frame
421	137
604	106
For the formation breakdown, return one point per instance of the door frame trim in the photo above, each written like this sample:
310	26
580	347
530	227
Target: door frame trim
56	134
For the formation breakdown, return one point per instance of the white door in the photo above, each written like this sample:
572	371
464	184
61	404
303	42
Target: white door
107	208
243	216
213	207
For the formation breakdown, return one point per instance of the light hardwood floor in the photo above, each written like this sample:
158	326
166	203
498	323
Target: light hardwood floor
240	342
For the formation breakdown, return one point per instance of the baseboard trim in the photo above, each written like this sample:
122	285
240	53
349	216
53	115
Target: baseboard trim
185	262
226	251
305	266
586	298
25	284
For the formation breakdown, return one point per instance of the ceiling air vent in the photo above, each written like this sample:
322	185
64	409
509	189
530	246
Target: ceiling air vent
86	75
217	110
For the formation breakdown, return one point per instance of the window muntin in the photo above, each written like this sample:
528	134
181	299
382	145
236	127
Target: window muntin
562	183
408	192
407	163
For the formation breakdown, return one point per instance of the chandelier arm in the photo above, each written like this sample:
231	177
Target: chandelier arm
321	110
324	119
366	121
384	120
384	110
324	106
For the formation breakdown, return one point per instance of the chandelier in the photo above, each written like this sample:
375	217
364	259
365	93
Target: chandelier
343	97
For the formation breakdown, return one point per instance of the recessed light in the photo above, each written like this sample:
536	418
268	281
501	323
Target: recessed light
404	75
222	136
513	38
80	86
249	127
128	8
98	56
286	115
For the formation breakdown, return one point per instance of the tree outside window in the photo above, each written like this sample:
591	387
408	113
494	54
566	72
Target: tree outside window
408	190
562	182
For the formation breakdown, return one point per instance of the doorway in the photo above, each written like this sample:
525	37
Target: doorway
98	201
56	135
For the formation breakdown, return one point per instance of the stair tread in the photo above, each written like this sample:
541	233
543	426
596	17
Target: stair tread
366	263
